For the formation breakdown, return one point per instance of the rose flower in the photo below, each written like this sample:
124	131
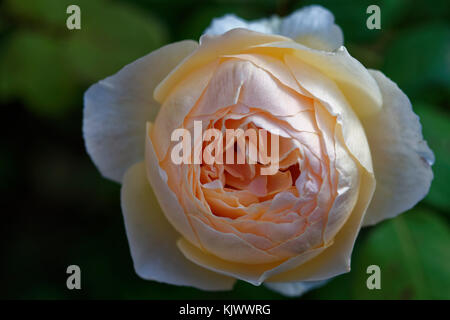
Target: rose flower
349	149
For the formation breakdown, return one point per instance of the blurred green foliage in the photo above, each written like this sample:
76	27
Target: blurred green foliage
60	211
42	58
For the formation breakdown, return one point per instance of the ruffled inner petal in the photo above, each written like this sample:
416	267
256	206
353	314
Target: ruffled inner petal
277	216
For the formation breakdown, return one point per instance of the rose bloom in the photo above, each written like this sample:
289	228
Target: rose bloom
351	154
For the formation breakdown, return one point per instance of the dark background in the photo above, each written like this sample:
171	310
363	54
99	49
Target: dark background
57	210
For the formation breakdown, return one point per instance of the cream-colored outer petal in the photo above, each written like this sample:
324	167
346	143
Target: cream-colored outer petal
178	104
352	78
166	197
255	274
211	47
401	158
117	108
153	240
294	289
312	26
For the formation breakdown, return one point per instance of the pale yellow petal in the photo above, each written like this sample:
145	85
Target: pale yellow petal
153	240
232	42
352	78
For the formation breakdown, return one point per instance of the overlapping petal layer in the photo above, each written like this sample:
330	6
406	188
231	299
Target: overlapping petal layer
291	228
239	216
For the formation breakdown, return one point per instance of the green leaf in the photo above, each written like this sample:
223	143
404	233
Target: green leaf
351	16
419	59
111	36
436	131
47	67
33	68
49	12
413	255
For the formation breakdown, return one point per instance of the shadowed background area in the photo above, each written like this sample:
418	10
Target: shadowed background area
57	210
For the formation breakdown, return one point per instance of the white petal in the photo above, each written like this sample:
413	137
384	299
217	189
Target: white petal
401	158
230	21
314	27
153	240
116	109
294	289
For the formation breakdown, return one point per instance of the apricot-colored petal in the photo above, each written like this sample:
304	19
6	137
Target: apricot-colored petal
332	98
335	259
273	66
241	81
153	240
166	197
179	103
345	171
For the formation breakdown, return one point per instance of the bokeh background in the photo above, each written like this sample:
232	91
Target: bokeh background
57	210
